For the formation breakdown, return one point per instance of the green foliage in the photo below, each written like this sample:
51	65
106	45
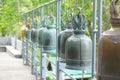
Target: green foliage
11	12
9	15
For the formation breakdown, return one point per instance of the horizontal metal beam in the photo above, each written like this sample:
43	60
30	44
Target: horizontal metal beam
43	5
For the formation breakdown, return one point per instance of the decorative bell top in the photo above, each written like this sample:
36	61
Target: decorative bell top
28	26
79	21
115	19
49	21
69	24
35	25
45	21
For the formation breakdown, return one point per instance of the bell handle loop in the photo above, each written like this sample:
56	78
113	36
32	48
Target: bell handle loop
51	19
78	19
51	15
83	22
79	10
67	16
75	20
72	12
46	21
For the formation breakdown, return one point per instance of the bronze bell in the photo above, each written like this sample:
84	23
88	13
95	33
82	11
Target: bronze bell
49	38
28	32
109	48
34	33
40	32
78	48
64	35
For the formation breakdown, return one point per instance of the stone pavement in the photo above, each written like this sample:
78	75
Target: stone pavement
12	68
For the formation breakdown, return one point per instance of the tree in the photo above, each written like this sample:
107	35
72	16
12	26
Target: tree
9	15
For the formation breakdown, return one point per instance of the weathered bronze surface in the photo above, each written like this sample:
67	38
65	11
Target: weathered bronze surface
109	48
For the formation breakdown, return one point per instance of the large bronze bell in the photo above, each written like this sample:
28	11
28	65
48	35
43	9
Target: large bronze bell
34	35
109	49
40	32
78	48
49	40
49	36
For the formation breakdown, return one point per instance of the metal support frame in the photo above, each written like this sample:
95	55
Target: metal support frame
43	67
23	44
33	66
27	46
58	12
23	49
58	20
94	39
27	52
94	33
41	14
42	75
99	18
33	19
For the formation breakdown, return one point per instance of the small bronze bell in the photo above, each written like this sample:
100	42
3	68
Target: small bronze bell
28	32
49	38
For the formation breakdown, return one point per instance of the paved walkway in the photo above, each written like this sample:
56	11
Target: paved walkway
13	69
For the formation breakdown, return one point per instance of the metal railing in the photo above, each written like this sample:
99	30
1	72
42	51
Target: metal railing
59	71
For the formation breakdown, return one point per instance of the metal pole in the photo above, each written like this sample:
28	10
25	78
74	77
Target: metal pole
43	59
23	49
94	40
100	18
27	41
26	18
27	58
23	43
33	57
46	4
33	19
58	13
41	15
43	67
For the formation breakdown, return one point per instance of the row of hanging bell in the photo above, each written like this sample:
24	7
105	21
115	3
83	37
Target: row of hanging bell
78	47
